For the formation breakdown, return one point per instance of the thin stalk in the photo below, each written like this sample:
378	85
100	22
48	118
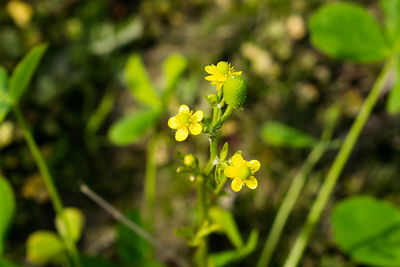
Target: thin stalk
337	167
49	181
150	183
117	215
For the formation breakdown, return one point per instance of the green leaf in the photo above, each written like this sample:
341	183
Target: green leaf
393	101
347	31
391	9
24	71
227	223
130	128
224	151
368	230
281	135
226	257
7	209
174	66
132	248
6	263
139	83
90	261
76	221
5	104
44	247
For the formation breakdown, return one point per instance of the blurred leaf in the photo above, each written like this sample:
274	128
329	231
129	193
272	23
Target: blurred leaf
174	66
4	97
139	83
5	263
227	223
130	128
44	247
393	101
226	257
224	151
132	248
76	221
347	31
369	230
7	208
24	71
90	261
281	135
391	9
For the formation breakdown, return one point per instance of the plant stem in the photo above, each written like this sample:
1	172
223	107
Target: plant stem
292	195
150	183
337	167
49	181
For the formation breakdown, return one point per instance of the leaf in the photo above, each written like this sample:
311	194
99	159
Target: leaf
130	128
347	31
226	257
139	83
7	209
90	261
4	97
391	9
393	101
44	247
132	248
6	263
24	71
224	151
227	223
281	135
174	67
368	230
76	221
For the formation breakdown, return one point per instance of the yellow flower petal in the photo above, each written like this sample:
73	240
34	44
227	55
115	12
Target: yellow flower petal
210	69
237	184
237	73
184	109
173	123
251	182
210	78
230	172
181	134
197	116
254	165
195	128
237	161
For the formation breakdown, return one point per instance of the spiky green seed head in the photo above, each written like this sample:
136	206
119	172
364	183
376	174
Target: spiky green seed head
235	91
223	67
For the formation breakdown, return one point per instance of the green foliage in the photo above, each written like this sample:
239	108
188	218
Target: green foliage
7	208
4	97
227	223
281	135
24	71
224	151
173	68
347	31
226	257
393	101
88	261
130	128
139	83
44	247
75	219
6	263
368	230
391	9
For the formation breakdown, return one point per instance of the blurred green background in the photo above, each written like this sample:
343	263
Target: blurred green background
288	81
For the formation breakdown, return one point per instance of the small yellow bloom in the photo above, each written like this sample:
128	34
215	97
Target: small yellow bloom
186	121
242	172
219	73
20	12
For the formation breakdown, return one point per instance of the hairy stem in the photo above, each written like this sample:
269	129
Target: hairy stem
337	167
49	182
150	183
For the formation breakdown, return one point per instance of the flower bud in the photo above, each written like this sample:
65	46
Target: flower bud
189	160
223	67
235	91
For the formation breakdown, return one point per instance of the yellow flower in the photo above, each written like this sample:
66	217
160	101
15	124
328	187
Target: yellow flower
186	121
219	73
242	172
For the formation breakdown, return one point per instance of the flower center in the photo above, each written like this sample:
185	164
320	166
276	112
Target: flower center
184	119
223	67
244	172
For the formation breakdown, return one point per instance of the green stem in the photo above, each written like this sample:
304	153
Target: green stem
150	183
293	193
337	167
49	181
